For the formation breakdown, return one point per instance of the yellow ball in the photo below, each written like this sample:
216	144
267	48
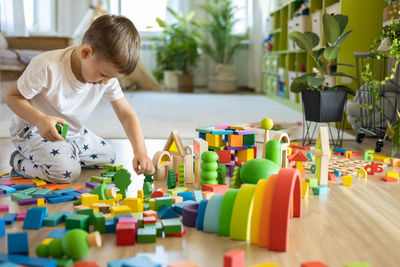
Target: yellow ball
267	124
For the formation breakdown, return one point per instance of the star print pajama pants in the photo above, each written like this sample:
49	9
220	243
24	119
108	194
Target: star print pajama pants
58	162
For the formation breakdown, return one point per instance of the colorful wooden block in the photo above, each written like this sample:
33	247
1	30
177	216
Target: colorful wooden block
55	219
234	258
392	174
224	156
77	221
2	227
119	210
225	214
146	235
34	218
135	204
347	180
18	243
245	155
172	226
214	140
235	140
305	189
4	208
126	234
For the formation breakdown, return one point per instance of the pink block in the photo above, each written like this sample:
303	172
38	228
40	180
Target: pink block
21	216
128	220
4	208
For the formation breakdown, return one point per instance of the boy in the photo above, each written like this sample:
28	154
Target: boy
64	86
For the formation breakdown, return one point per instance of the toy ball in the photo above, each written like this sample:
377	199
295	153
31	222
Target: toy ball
267	123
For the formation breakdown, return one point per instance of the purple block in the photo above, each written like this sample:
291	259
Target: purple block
189	214
112	185
29	201
244	132
83	191
92	184
1	192
237	148
4	208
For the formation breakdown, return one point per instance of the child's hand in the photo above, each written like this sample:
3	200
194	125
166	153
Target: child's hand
47	128
142	164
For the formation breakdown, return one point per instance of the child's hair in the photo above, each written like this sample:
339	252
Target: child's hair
114	39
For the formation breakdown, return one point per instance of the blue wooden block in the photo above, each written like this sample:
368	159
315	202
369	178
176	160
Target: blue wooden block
2	227
10	218
7	189
8	264
339	150
337	172
22	186
200	214
54	200
64	191
46	196
72	193
167	213
34	218
18	243
198	196
110	226
178	207
321	190
28	261
57	233
139	262
186	195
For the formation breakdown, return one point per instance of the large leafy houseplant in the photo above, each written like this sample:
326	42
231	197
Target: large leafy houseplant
178	48
221	43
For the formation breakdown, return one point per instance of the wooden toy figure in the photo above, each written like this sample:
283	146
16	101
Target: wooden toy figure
221	173
267	125
122	179
209	168
147	189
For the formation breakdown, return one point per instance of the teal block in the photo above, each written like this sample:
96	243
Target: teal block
211	216
55	219
167	213
79	221
198	196
178	207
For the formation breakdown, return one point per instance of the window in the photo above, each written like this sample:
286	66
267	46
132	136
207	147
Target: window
40	16
242	16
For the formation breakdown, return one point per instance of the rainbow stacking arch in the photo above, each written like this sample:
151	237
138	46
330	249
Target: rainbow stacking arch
257	213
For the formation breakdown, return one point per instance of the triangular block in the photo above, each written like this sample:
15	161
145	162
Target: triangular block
167	213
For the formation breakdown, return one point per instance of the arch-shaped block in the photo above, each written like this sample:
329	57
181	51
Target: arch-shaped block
263	232
256	213
240	221
225	214
287	188
200	214
211	216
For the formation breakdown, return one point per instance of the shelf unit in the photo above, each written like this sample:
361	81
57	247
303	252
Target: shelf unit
365	19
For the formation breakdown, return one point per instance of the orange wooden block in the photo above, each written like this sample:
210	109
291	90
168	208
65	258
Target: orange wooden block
235	140
234	258
266	210
177	199
389	179
23	182
16	178
86	264
207	194
313	264
183	263
395	162
150	213
216	188
80	207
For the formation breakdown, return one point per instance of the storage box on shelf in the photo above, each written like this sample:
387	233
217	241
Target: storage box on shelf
298	24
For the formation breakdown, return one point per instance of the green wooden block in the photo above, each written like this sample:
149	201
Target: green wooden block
62	130
109	167
29	191
77	202
18	196
54	219
41	191
64	262
108	174
139	217
146	206
358	264
249	140
159	228
80	221
312	181
99	222
152	204
172	226
161	201
146	235
175	191
97	179
87	212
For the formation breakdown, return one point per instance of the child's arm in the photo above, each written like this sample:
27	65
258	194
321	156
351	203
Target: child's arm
133	130
45	124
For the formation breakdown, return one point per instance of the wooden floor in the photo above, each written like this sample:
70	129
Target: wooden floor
360	223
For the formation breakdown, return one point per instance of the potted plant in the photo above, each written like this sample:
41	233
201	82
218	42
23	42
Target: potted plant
220	43
179	48
322	101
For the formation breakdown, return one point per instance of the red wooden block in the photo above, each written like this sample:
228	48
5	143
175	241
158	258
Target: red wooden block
183	263
389	179
126	234
158	193
4	208
313	264
86	264
149	219
234	258
177	235
300	147
224	156
215	188
356	154
331	177
337	153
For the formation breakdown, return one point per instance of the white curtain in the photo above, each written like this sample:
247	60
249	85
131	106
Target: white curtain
12	17
259	10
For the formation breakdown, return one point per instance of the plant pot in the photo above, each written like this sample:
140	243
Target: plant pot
324	106
223	79
171	79
185	83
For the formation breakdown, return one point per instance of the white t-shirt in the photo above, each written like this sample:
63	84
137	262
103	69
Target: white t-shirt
50	86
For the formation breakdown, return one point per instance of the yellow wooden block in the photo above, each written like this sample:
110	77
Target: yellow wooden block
242	208
363	173
214	140
47	241
380	157
110	202
4	173
38	182
347	180
392	174
120	210
89	199
265	265
140	194
135	204
246	155
40	202
256	214
108	216
119	197
305	189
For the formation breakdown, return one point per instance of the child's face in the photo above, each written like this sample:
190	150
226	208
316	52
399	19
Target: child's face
96	71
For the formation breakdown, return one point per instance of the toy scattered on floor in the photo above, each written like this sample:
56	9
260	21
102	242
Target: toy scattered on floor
62	129
122	179
147	185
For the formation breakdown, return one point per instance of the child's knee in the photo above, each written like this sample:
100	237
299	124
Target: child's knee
64	172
